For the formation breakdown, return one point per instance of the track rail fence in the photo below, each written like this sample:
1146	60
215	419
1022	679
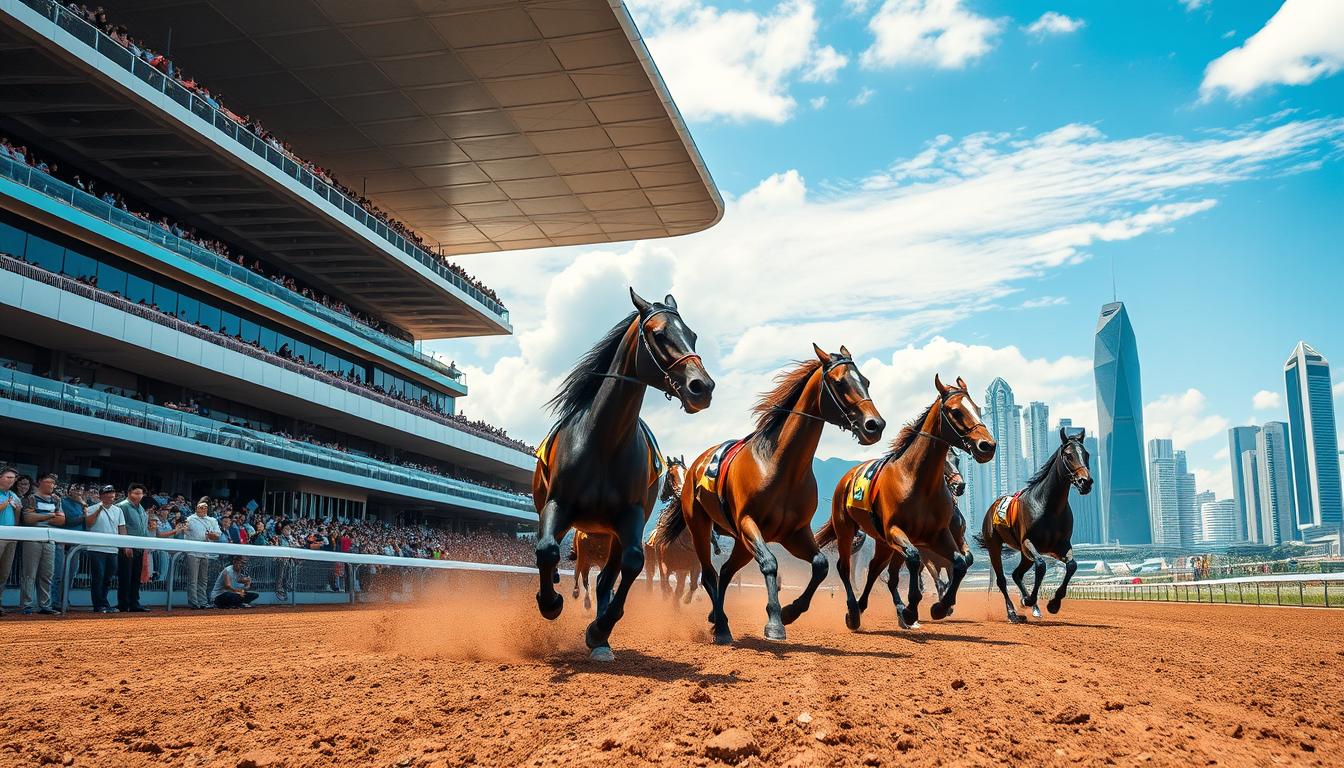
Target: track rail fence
1307	590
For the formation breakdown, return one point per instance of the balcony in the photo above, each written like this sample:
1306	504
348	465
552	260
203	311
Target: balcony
19	387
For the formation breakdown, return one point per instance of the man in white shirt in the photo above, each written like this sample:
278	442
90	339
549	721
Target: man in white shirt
103	517
231	587
200	527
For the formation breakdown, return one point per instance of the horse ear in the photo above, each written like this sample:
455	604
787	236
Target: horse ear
822	354
1082	432
961	383
640	303
938	383
845	351
669	302
1063	437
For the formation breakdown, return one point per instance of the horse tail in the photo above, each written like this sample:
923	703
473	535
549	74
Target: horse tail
980	540
826	535
671	525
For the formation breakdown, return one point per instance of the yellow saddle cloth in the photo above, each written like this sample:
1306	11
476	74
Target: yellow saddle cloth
861	490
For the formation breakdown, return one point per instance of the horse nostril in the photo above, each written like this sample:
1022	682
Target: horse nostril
873	425
696	387
985	446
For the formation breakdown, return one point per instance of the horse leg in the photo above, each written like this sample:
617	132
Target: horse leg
692	582
803	546
1070	566
627	551
681	587
549	602
995	546
606	578
881	558
701	529
844	562
946	548
765	559
579	566
1039	563
739	557
909	616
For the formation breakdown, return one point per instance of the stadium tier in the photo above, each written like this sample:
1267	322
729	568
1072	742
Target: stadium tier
225	226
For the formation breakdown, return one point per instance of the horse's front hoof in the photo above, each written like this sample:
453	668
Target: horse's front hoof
723	637
602	653
1036	611
938	611
853	620
1028	602
575	593
790	614
775	632
587	602
550	610
1013	618
1053	606
594	637
909	618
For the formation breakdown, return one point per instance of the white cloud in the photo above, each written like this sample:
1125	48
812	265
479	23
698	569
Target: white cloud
1004	208
1218	480
735	64
1222	453
1339	389
818	102
1193	5
1182	418
1045	301
1265	400
1302	41
864	96
1052	23
937	33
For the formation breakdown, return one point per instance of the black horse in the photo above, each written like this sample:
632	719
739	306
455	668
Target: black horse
1037	521
599	468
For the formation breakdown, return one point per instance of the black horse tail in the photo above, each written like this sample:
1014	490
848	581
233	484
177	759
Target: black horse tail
826	535
671	525
980	540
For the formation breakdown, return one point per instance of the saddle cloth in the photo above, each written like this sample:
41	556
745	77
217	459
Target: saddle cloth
656	465
1005	510
717	468
860	493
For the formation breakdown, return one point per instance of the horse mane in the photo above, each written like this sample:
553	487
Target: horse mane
906	437
1044	469
772	408
579	388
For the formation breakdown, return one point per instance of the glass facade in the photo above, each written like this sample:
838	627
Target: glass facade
1314	444
1124	489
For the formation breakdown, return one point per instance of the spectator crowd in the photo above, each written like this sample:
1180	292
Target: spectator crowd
137	513
98	18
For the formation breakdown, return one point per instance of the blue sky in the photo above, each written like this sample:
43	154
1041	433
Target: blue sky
948	185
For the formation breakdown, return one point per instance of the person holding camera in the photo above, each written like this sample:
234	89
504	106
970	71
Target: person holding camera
231	586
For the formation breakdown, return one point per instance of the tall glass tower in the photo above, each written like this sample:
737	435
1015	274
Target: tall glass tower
1275	468
1003	416
1036	435
1315	448
1124	492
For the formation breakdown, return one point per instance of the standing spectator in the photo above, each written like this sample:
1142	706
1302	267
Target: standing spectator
231	586
164	528
73	503
131	562
10	508
42	509
200	527
229	529
103	517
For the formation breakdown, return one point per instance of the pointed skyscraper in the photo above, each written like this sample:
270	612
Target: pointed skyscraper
1315	448
1124	492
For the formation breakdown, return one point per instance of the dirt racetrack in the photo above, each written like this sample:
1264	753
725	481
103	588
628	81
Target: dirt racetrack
460	682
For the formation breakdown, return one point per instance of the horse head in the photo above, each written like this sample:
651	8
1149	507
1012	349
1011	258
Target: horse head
666	359
672	481
952	474
961	425
1076	460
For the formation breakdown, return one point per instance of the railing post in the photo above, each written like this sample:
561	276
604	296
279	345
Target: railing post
1300	599
171	580
68	575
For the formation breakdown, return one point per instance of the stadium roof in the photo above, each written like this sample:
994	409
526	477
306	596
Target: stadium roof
484	124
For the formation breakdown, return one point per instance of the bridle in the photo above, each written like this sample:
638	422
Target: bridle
963	442
850	425
672	388
1075	479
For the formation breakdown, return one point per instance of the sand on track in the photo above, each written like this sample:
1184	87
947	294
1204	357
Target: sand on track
477	678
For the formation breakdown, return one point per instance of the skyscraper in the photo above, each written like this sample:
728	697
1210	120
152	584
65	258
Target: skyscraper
1315	448
1219	520
1036	435
1003	416
1277	511
1188	511
1087	522
1239	441
1254	527
1124	501
1163	502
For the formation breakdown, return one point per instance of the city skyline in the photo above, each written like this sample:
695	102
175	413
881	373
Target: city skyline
1119	393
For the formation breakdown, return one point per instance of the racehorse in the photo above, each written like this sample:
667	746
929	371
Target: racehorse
761	489
598	469
675	557
586	551
1037	521
935	565
903	502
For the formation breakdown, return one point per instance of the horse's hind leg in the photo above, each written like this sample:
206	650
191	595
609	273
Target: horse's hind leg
882	555
692	583
606	578
549	602
740	556
946	548
1070	566
627	551
580	567
1038	562
994	544
803	546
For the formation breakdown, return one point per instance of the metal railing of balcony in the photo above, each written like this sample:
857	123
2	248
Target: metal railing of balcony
11	264
128	222
71	398
114	52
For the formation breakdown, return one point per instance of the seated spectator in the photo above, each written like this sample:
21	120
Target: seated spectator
231	586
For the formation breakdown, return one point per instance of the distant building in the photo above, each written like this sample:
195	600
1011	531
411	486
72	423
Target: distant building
1187	510
1274	468
1124	500
1162	497
1240	440
1256	531
1003	416
1219	520
1314	444
1036	436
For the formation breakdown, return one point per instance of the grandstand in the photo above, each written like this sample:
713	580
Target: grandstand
226	228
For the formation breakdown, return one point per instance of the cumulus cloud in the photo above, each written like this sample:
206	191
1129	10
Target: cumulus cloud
864	96
736	64
864	264
1182	418
935	33
1300	43
1045	301
1052	23
1265	400
818	102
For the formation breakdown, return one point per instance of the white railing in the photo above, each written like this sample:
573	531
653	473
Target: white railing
1280	589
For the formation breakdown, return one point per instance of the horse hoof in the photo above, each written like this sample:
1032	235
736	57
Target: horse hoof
723	638
555	578
938	612
1013	618
587	602
594	638
909	619
551	611
775	632
602	653
852	621
1036	611
1028	602
1053	606
790	614
575	593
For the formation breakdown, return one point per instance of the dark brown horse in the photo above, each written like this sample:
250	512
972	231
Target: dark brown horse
768	492
935	565
675	558
587	551
598	469
906	503
1037	521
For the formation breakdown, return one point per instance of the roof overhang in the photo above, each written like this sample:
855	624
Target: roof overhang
484	124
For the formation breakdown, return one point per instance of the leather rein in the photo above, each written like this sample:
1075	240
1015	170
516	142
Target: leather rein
672	388
849	425
964	443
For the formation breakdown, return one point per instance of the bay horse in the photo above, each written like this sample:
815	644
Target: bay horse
767	493
675	557
1037	521
907	505
586	551
598	469
935	565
